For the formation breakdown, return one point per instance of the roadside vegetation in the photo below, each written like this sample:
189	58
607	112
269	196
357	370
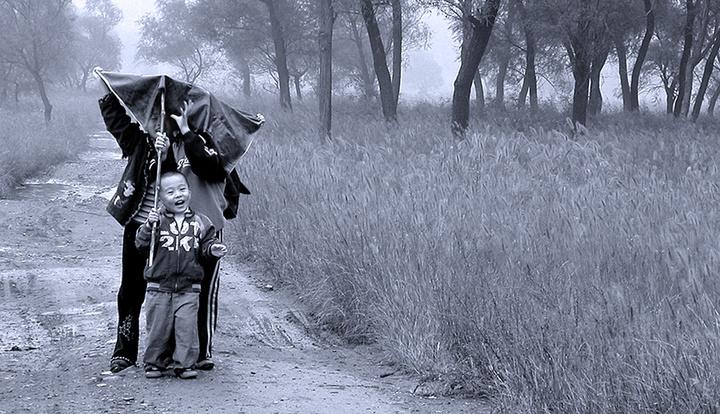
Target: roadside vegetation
546	271
29	145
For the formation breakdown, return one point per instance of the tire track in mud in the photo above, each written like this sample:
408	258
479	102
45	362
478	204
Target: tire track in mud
59	275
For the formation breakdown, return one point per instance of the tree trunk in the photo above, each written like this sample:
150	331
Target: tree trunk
387	96
580	94
596	99
298	89
479	94
581	62
469	62
325	35
709	66
530	73
530	79
642	53
397	36
522	95
713	100
685	59
43	95
623	73
368	83
500	81
670	95
280	53
246	77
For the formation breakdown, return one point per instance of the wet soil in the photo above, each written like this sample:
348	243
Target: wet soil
59	275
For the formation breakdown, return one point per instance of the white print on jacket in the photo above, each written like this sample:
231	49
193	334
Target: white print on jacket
183	163
173	240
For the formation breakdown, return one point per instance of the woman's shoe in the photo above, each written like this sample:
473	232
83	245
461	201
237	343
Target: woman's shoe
206	364
119	364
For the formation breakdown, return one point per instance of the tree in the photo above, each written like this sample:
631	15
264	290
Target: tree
581	27
37	37
529	84
96	45
472	52
325	35
240	29
276	16
664	50
642	54
397	45
355	63
685	59
170	38
707	73
387	94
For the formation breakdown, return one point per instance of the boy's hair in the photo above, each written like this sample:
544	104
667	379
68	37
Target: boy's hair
170	174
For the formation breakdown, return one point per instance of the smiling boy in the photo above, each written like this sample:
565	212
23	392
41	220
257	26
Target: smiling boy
186	241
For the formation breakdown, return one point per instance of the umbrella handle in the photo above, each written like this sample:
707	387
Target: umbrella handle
157	179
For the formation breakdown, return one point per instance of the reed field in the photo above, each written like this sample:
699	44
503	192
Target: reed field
29	145
547	272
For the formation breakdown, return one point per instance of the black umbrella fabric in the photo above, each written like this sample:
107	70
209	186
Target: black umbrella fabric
230	129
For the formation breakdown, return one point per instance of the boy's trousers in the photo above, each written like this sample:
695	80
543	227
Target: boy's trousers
172	317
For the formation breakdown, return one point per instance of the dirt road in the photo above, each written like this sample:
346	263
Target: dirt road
59	274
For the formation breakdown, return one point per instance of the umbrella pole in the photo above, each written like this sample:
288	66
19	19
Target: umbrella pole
157	178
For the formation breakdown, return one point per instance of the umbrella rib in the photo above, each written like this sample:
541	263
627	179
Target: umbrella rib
127	109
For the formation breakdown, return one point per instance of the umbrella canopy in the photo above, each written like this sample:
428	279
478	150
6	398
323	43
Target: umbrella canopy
230	129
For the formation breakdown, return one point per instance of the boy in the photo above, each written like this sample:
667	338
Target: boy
186	241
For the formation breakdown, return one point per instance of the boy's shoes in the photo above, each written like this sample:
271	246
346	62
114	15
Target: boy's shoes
186	373
206	364
119	364
153	372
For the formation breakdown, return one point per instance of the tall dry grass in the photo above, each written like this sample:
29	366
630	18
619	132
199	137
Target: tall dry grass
550	273
28	145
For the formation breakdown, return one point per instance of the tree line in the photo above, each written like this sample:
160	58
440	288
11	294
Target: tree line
336	47
358	45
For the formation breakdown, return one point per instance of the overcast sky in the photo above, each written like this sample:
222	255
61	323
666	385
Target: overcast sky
428	73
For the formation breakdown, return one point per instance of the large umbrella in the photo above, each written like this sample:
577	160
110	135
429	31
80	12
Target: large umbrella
148	98
230	129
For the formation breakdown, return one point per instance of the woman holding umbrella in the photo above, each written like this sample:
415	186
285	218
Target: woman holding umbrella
195	156
133	199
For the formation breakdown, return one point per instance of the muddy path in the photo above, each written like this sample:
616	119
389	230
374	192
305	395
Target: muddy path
59	274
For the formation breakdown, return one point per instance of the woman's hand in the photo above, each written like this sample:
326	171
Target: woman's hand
218	250
182	119
162	142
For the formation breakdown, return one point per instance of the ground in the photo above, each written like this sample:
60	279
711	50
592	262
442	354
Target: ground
59	275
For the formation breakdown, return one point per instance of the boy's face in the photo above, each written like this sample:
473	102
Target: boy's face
175	193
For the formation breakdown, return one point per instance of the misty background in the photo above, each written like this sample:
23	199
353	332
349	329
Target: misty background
429	70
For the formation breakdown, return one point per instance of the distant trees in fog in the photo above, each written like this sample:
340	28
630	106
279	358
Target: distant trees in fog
52	41
510	48
513	45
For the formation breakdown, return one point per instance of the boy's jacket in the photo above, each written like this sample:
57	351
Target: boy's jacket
180	250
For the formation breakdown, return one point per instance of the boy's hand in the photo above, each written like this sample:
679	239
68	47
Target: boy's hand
153	217
218	250
182	119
